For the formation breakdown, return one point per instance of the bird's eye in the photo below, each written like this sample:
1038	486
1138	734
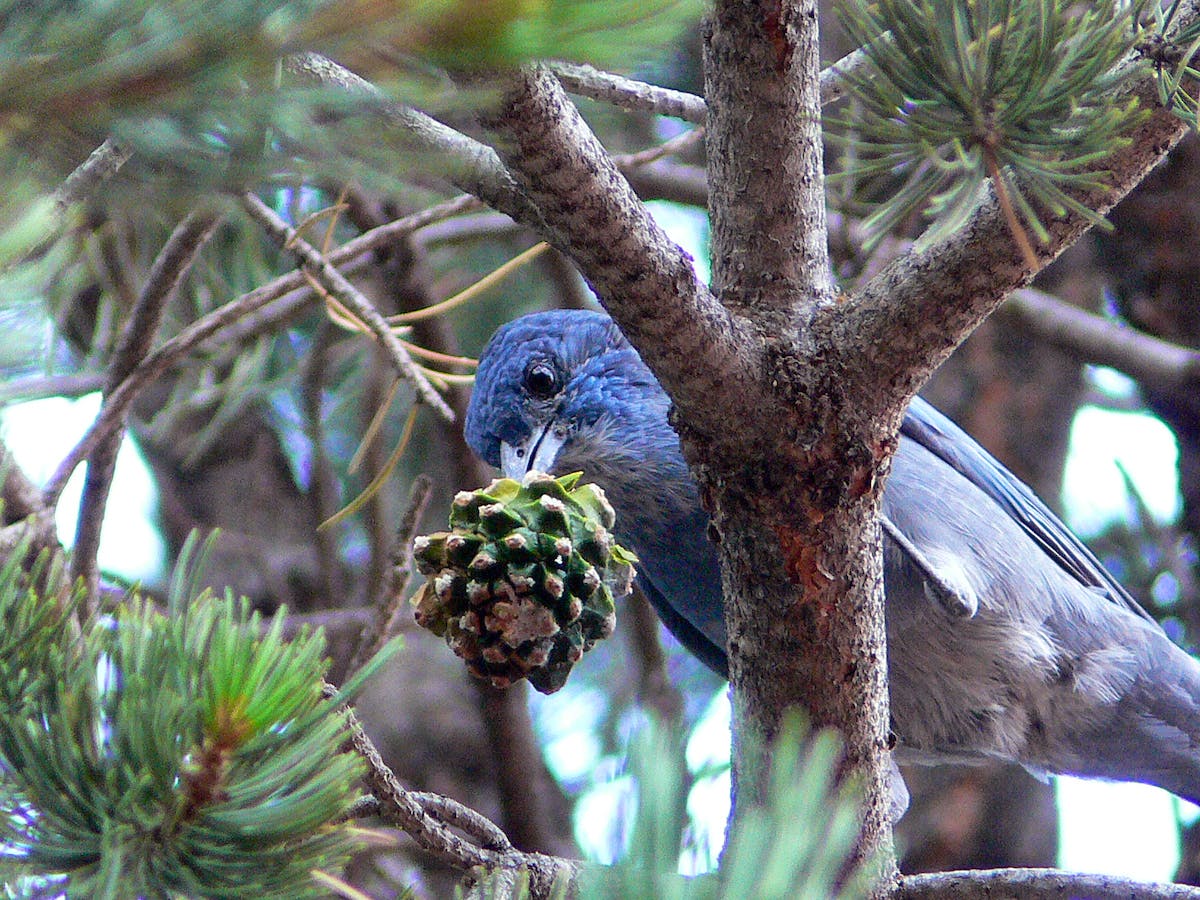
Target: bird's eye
541	380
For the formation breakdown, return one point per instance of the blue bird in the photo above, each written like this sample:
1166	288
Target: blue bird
1007	638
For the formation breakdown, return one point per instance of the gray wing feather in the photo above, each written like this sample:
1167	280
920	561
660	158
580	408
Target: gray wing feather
949	443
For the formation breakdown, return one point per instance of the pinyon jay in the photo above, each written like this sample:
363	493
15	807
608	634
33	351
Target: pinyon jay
1007	638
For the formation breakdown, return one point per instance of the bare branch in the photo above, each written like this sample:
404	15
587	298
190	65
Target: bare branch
471	166
655	689
1034	884
388	619
261	312
169	269
321	501
669	180
833	85
1102	341
465	819
628	93
39	387
408	810
101	164
334	621
333	281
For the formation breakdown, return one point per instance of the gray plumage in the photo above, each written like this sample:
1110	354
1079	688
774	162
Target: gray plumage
1006	637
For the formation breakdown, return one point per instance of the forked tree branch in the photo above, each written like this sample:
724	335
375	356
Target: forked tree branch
649	284
913	314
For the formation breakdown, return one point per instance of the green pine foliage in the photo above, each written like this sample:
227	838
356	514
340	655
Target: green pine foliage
1174	57
145	755
957	93
799	845
462	33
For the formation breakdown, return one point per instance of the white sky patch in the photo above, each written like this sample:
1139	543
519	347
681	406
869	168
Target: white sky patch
1107	828
40	433
688	227
1102	443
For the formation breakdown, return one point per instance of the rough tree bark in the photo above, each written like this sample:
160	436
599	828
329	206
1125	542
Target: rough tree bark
795	489
787	405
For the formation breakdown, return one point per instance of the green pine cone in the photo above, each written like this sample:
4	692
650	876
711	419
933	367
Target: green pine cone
524	582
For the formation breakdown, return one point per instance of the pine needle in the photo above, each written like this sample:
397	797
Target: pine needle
473	291
373	428
380	480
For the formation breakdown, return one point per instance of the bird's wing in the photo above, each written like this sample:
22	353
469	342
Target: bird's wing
949	443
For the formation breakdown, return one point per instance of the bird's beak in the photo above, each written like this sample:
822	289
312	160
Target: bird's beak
536	454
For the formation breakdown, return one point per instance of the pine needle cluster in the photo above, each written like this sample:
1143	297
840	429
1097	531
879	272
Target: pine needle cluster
1173	52
957	93
147	756
799	844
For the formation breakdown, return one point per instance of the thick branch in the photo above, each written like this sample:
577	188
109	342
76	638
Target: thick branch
793	496
644	279
766	182
1034	884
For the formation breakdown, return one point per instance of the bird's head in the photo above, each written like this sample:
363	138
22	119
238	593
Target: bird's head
555	390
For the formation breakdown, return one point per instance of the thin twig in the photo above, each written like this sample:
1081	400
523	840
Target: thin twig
170	267
349	296
398	807
670	180
334	621
654	686
471	166
387	621
222	324
322	493
406	810
377	394
39	387
464	819
628	93
101	164
681	143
